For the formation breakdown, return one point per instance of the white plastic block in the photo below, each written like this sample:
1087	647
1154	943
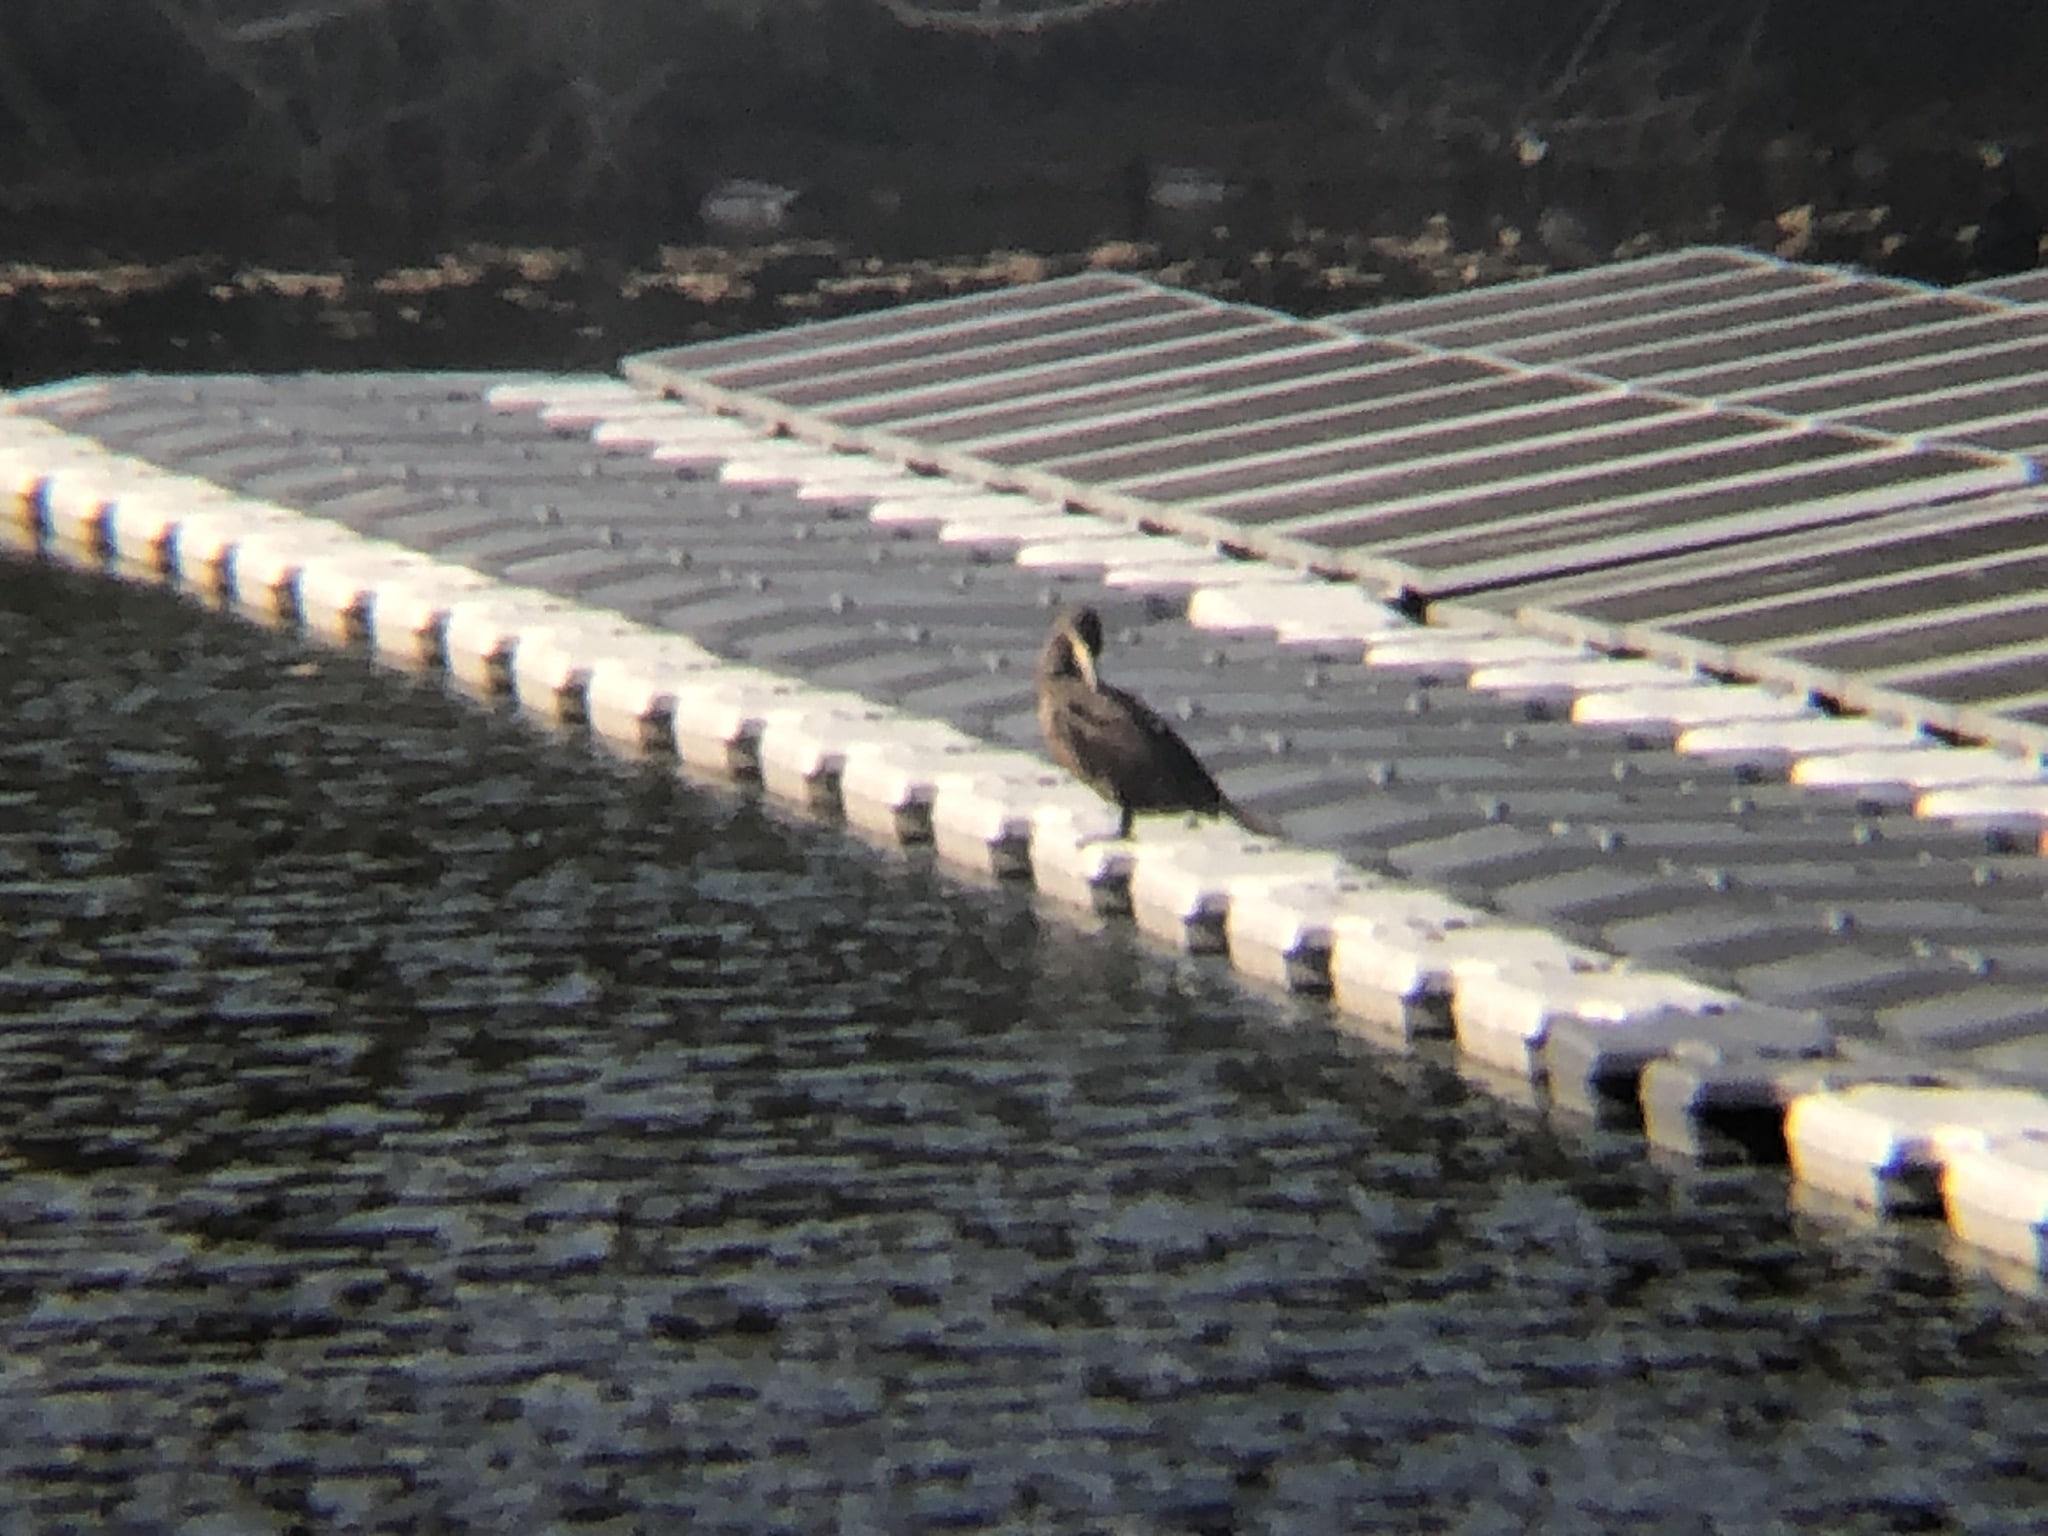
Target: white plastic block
337	583
889	780
1504	1017
1329	630
1590	1061
1184	880
684	435
800	751
203	544
1043	526
806	746
208	532
1381	975
1170	574
1075	854
1295	608
1697	1082
1899	778
1458	653
1885	1147
1404	975
1095	553
79	491
928	502
553	661
1398	905
197	543
919	511
584	402
1228	574
781	462
1681	706
887	787
270	561
1558	682
651	427
407	609
537	393
984	808
857	480
23	467
2015	808
482	630
1997	1196
695	455
27	460
141	524
629	692
800	745
718	715
1773	746
1283	932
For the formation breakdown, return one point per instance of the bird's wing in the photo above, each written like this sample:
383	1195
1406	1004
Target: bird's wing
1116	738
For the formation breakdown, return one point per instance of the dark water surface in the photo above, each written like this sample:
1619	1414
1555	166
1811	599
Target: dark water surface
412	1122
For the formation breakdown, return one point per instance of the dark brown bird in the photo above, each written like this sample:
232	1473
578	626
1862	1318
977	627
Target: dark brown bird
1110	740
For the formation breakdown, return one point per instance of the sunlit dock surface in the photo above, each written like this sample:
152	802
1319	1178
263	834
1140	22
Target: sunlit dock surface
1666	736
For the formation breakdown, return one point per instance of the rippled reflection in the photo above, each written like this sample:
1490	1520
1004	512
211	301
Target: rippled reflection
413	1123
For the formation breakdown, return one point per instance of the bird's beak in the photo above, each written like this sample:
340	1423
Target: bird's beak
1084	659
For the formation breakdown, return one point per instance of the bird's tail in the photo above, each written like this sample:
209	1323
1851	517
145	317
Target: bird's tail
1258	826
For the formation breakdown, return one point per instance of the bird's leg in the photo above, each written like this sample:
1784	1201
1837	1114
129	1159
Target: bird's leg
1121	835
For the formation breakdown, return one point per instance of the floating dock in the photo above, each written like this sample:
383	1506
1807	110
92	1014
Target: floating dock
1644	665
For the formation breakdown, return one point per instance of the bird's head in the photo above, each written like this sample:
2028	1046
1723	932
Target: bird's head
1077	641
1085	625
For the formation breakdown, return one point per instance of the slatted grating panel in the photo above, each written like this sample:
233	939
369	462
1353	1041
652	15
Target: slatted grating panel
1963	365
1710	412
1945	607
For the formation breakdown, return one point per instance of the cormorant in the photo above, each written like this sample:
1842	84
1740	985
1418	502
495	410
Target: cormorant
1110	740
